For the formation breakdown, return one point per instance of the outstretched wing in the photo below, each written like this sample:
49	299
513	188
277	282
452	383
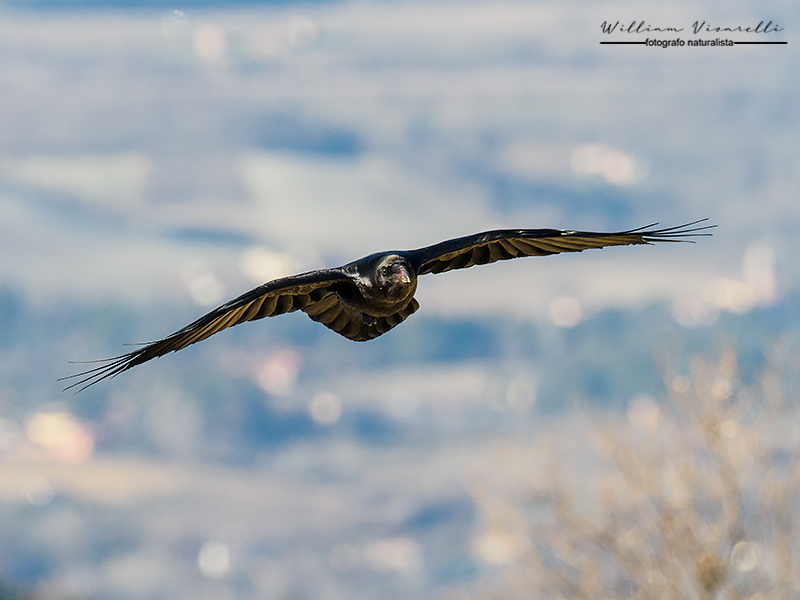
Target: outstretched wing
312	292
504	244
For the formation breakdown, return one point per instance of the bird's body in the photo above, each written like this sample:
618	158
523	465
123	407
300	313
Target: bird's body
367	297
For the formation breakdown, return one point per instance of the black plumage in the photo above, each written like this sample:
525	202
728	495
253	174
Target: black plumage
367	297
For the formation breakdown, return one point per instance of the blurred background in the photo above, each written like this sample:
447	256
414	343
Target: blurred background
157	159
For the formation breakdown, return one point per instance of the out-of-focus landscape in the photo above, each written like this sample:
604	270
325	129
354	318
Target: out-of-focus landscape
617	423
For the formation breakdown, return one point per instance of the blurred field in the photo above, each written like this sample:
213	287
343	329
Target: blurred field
687	496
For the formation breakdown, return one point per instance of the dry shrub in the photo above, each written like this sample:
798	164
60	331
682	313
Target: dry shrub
694	497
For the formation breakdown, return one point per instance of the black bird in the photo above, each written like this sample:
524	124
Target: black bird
367	297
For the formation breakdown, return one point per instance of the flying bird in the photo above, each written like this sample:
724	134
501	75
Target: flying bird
369	296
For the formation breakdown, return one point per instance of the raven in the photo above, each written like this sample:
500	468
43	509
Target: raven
369	296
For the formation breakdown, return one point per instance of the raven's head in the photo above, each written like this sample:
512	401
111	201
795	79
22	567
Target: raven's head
385	283
393	277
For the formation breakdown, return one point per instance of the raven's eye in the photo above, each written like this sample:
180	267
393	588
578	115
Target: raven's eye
384	270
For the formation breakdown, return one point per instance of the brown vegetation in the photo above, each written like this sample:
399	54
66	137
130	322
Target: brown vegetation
695	497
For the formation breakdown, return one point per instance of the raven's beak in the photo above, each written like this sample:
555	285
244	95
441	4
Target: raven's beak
402	276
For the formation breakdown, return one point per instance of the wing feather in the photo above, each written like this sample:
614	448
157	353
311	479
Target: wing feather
330	315
504	244
341	321
480	255
510	249
498	252
300	301
251	310
267	308
321	305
